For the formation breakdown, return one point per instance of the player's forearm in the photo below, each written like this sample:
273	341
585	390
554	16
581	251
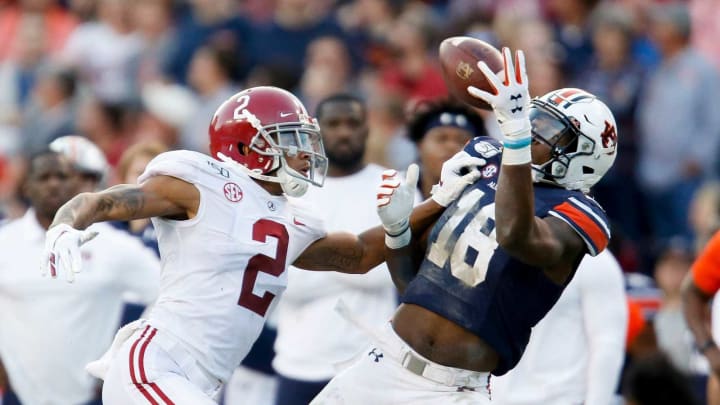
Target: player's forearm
402	265
514	206
121	202
695	307
373	245
80	212
423	216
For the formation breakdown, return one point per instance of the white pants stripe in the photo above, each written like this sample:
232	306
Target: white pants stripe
155	396
152	368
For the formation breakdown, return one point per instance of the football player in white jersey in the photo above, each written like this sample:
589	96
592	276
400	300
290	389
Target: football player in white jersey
227	233
48	331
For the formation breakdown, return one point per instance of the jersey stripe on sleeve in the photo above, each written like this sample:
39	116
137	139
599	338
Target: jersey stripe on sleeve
591	227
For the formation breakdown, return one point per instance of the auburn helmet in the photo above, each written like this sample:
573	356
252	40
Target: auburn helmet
85	155
256	128
581	133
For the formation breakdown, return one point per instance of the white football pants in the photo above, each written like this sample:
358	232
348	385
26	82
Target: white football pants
152	368
393	374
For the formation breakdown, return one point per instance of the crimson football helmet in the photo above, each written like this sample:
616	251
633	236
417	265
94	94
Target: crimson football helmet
256	128
581	133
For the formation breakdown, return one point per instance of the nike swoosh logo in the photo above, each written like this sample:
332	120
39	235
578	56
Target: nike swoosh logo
283	115
296	222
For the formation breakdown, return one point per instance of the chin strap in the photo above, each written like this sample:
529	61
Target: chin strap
291	185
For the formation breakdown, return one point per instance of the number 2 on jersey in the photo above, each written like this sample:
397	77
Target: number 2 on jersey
265	264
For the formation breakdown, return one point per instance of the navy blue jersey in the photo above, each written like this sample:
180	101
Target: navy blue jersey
469	279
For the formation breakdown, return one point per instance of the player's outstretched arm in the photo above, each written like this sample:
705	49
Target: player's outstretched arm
404	262
162	196
159	196
344	252
542	242
358	254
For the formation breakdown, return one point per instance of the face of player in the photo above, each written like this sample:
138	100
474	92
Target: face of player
86	182
438	145
344	131
548	134
50	184
300	162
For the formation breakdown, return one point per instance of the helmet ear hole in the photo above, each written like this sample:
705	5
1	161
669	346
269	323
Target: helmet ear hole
588	170
243	149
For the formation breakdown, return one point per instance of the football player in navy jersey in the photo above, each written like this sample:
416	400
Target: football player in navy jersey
477	273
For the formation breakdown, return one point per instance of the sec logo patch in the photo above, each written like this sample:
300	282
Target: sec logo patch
489	171
233	192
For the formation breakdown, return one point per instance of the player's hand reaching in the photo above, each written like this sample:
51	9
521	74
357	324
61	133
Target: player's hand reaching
62	251
457	172
395	200
511	104
512	99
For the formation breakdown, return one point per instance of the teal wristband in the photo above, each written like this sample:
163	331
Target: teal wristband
517	143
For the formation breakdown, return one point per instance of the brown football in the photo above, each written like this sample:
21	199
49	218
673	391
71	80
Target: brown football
459	57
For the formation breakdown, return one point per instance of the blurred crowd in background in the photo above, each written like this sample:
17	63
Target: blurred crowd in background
123	71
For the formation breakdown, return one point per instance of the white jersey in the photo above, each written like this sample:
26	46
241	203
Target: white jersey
224	269
49	330
576	351
313	339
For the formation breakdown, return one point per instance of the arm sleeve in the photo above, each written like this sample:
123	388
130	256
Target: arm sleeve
181	164
706	268
587	219
605	314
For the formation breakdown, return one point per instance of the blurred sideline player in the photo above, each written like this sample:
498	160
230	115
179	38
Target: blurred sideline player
131	165
439	130
497	259
50	331
575	354
227	233
93	171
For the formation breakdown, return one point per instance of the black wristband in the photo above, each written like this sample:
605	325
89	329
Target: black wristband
706	345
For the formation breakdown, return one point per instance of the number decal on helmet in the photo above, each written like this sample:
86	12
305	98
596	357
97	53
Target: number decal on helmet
243	102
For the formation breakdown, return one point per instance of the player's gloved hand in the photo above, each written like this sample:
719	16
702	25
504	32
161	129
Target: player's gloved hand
62	251
511	104
395	200
457	172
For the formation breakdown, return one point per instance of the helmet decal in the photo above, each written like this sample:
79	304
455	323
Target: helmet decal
609	137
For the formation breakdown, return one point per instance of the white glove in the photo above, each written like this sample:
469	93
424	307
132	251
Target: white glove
452	179
395	200
512	101
62	251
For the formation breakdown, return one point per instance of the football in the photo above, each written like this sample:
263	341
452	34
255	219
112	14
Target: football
458	59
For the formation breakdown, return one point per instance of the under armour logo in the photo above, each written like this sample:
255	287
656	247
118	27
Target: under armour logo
378	355
516	98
